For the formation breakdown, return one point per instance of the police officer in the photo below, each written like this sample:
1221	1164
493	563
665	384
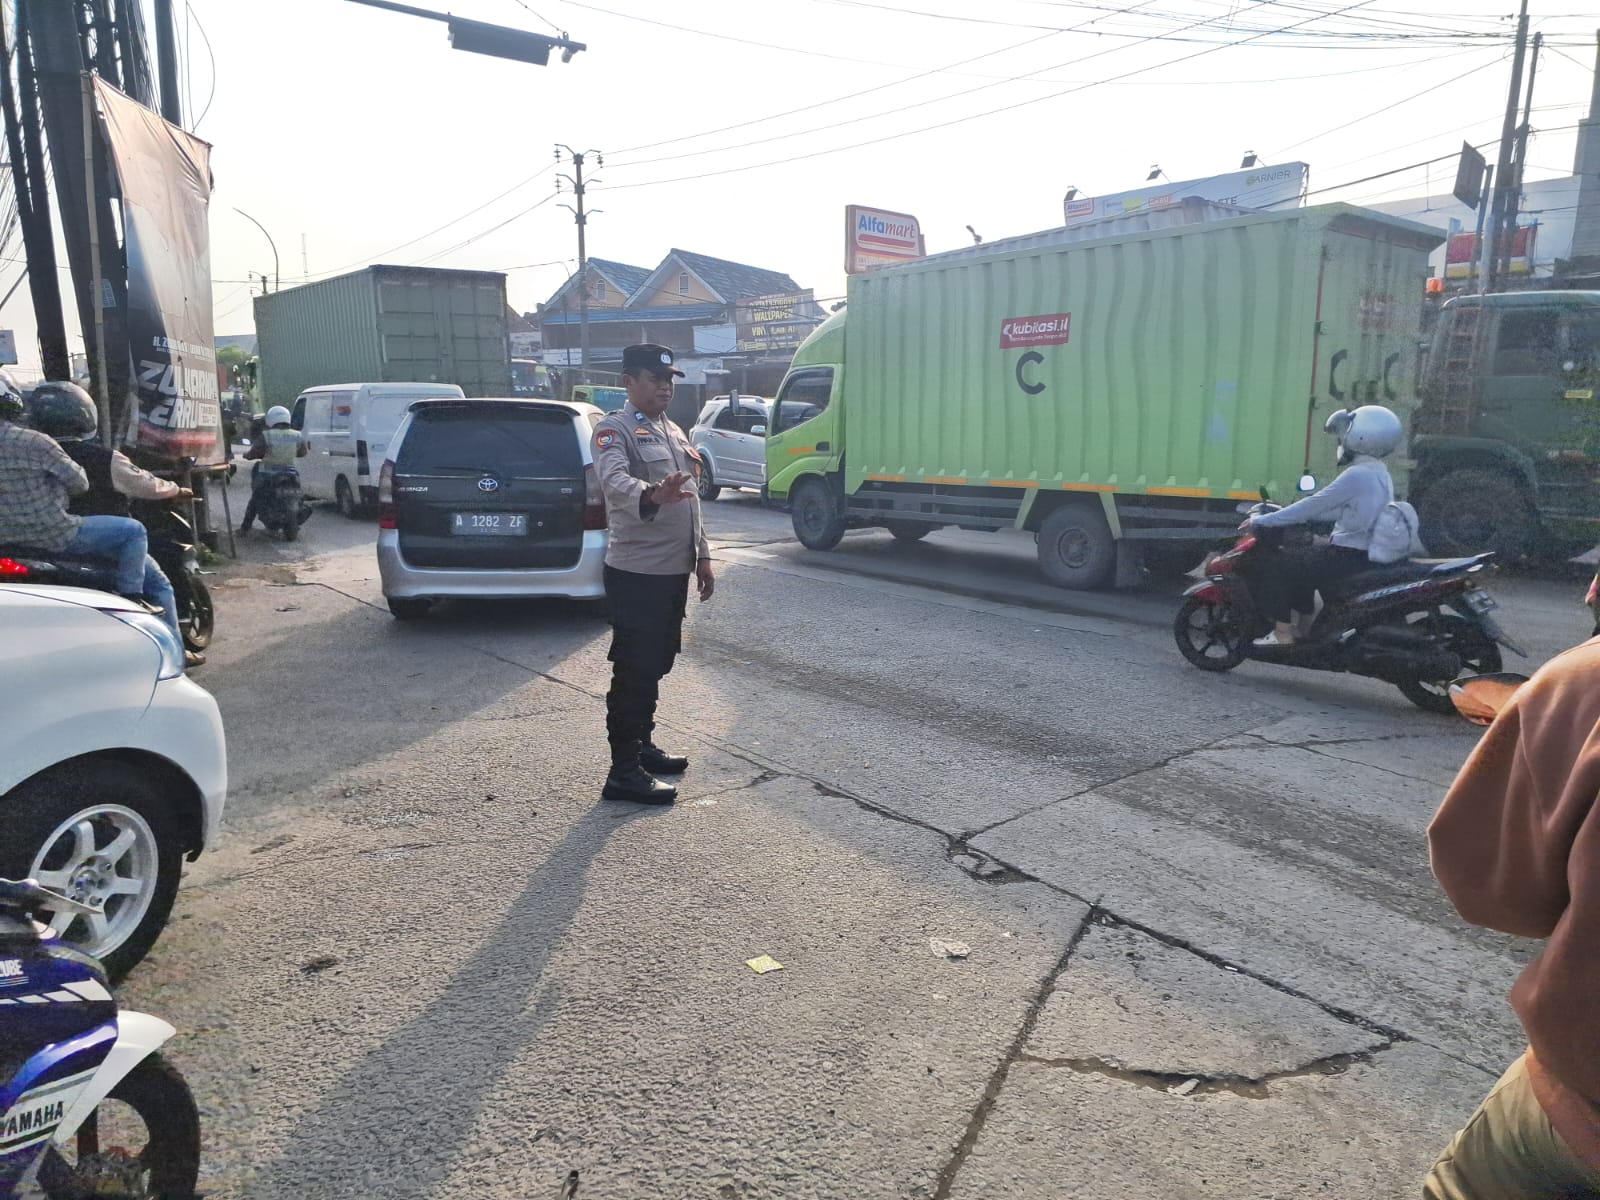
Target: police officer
647	467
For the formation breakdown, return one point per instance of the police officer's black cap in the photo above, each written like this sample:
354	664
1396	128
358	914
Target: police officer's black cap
657	360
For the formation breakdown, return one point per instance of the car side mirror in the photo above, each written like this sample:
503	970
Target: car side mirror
1308	484
758	430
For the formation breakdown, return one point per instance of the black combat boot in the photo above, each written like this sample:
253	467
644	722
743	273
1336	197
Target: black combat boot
630	782
658	762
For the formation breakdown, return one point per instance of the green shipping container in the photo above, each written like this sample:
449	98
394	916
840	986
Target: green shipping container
1143	383
386	325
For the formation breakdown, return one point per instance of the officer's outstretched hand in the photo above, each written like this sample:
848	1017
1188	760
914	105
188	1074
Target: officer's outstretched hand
671	489
706	578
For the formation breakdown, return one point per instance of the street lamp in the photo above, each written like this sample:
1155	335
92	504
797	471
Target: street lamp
1155	173
1071	193
480	37
276	279
1250	160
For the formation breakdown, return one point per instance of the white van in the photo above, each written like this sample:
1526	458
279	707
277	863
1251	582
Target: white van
348	427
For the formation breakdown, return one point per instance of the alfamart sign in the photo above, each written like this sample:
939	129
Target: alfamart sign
875	237
1258	187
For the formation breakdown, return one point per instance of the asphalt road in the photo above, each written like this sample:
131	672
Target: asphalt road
1204	957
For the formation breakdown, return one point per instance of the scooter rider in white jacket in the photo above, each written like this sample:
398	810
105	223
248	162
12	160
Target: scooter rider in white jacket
1353	502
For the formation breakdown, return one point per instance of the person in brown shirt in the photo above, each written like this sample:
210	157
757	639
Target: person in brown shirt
1516	847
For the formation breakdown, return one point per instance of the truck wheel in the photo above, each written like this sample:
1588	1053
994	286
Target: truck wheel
817	515
1076	549
1474	510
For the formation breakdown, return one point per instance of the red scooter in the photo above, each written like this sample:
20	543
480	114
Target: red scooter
1417	625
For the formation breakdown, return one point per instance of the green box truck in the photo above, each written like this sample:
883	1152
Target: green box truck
1507	437
1108	395
386	324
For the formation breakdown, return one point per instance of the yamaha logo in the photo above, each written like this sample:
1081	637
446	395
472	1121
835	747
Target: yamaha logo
488	484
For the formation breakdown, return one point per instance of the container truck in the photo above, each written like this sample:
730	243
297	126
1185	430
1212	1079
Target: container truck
1109	394
1506	438
386	324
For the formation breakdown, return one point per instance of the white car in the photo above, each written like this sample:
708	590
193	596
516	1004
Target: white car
113	766
732	443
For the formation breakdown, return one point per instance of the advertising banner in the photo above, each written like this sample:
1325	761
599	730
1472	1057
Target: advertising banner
874	237
1464	253
1050	329
1258	187
164	176
778	322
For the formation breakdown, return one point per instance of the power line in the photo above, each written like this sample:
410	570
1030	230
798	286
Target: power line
475	237
541	17
210	54
962	120
918	104
1427	33
923	103
453	221
1431	88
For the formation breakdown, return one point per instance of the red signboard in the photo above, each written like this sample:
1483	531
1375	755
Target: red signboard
1048	330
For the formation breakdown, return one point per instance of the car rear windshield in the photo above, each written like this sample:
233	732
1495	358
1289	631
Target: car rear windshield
507	440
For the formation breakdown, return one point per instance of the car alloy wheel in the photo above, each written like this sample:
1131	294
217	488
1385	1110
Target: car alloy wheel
106	855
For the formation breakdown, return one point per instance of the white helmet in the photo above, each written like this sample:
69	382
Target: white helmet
1371	429
277	415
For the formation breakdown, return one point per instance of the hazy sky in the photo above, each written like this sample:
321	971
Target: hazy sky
742	130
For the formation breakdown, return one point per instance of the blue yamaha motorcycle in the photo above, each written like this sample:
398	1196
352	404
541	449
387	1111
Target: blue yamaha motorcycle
88	1109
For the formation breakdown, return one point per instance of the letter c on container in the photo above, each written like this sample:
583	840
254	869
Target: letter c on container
1031	358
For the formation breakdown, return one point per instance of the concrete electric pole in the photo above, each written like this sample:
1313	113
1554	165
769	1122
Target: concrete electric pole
581	215
1505	185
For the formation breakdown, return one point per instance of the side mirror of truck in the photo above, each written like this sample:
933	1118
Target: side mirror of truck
1308	484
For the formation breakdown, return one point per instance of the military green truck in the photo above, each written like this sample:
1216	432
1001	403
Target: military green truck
1111	396
1506	439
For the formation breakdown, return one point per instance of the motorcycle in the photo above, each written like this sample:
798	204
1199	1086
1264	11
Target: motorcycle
172	545
1418	625
281	506
87	1105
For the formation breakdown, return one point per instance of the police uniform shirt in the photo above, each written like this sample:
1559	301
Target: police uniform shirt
632	453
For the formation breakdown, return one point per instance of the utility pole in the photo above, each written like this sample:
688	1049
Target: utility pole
1505	186
1485	259
581	215
167	62
1514	200
33	203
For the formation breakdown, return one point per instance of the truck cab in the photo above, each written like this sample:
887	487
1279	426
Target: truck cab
1506	438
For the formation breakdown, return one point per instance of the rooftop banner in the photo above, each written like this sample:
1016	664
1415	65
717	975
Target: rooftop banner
875	237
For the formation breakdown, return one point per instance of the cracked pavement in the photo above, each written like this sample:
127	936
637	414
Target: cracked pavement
1207	959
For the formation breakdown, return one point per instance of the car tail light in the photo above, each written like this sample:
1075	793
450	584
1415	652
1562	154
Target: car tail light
594	500
10	568
386	508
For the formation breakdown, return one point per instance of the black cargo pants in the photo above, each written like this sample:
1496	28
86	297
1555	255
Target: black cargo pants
646	634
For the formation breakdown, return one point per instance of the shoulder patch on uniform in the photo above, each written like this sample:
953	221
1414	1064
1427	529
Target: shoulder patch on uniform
638	416
605	439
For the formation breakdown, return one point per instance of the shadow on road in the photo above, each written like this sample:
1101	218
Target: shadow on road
408	1109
